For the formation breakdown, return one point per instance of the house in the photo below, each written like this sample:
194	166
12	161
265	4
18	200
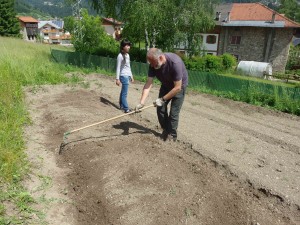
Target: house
52	32
29	27
112	27
252	32
49	32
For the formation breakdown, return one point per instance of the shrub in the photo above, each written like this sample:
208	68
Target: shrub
228	61
138	55
210	63
213	63
293	62
195	63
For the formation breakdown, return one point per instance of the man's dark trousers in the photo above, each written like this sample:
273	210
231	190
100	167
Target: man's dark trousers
169	121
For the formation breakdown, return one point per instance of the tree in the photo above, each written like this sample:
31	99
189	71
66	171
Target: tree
162	23
69	24
90	36
291	9
9	24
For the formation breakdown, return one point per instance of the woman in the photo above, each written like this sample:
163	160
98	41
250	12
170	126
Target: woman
124	74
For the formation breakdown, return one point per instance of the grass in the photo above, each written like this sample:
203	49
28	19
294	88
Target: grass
278	99
21	64
260	80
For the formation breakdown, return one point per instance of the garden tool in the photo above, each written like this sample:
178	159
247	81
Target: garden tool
94	124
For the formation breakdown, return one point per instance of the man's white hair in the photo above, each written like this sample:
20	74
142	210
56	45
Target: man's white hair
154	53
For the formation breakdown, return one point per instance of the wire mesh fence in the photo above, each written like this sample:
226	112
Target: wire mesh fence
211	81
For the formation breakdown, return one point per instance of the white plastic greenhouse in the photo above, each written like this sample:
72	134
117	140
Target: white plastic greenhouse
255	69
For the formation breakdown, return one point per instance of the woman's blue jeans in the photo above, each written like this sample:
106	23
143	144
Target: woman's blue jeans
124	91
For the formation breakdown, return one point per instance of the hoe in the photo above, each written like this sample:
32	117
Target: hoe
94	124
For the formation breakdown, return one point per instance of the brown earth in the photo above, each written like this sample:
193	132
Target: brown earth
233	163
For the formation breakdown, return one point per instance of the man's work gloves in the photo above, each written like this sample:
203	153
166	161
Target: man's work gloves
139	107
159	102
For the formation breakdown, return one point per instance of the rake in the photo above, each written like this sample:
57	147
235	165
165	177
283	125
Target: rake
66	134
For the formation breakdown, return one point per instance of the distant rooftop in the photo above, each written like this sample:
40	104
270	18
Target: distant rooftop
43	23
59	23
251	14
113	21
28	19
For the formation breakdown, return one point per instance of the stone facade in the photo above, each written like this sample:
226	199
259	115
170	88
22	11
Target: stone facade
260	44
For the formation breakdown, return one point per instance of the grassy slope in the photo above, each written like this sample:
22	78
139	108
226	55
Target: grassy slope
21	64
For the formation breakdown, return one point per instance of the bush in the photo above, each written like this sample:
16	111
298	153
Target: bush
111	50
195	63
293	62
213	63
138	55
210	63
229	61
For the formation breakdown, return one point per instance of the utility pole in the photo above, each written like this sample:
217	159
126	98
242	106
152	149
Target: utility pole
76	10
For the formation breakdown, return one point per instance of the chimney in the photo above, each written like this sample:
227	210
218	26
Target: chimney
273	17
218	16
228	16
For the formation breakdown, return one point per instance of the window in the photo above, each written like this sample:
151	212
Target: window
211	39
235	40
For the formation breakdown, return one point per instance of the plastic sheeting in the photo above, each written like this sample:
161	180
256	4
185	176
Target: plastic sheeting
255	69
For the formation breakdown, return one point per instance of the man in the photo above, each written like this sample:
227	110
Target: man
170	70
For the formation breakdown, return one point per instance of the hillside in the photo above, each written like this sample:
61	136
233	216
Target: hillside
48	9
61	9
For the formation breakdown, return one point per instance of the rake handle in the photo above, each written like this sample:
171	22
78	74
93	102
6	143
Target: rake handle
103	121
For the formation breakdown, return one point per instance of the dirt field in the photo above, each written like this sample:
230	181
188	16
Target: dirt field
233	163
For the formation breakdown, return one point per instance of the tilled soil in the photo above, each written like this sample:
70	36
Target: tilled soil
233	163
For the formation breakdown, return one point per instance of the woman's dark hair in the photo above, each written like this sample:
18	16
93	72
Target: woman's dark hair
123	43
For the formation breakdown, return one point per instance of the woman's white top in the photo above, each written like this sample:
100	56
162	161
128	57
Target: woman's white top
123	66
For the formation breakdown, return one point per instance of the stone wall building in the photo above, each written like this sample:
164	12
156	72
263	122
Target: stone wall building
250	32
254	32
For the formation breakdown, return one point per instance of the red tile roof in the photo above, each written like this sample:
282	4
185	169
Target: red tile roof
28	19
112	21
257	12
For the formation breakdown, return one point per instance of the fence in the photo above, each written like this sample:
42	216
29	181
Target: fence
211	81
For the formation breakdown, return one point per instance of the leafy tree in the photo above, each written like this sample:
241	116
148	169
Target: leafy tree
291	9
162	23
9	24
69	24
294	58
90	36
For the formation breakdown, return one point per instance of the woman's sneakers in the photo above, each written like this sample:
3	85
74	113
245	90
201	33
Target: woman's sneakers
127	110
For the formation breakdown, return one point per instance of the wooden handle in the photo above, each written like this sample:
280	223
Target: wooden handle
103	121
